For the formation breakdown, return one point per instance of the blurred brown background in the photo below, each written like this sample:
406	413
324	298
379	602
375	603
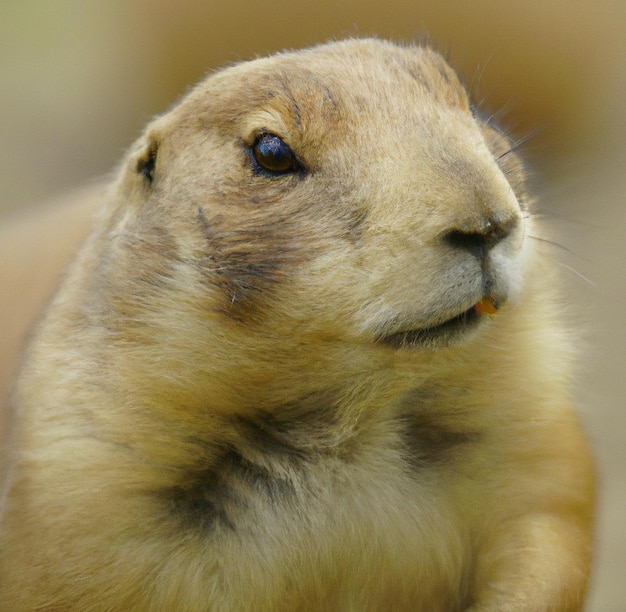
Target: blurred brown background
79	79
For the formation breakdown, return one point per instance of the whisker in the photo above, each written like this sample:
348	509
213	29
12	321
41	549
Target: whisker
520	141
560	246
573	271
545	214
478	77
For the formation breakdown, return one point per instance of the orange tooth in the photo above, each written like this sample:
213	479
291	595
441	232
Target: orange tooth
487	306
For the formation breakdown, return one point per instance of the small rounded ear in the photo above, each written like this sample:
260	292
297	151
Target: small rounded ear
146	164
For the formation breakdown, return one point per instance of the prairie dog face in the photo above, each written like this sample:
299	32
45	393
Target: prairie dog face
270	379
344	195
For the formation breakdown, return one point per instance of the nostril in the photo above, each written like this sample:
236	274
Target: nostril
480	241
473	242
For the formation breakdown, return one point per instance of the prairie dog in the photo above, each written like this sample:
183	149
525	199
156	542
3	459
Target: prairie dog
310	358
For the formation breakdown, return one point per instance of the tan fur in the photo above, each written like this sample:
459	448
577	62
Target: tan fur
221	410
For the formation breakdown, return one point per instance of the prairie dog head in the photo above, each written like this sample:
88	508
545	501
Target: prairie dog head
321	211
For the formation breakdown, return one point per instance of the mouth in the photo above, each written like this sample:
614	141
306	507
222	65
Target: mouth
443	334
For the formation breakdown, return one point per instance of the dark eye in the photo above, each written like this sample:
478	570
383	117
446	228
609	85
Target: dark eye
271	154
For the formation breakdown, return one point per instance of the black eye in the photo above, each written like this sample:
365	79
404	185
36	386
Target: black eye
271	154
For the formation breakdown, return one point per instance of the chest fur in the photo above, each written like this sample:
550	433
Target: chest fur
364	526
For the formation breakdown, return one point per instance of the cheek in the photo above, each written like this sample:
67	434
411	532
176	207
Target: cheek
350	289
246	264
267	259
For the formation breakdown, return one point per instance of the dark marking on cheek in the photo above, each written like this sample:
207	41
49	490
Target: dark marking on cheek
246	259
356	221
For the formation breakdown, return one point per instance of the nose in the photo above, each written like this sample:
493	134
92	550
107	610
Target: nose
479	237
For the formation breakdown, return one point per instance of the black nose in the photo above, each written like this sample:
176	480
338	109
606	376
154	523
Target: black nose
481	237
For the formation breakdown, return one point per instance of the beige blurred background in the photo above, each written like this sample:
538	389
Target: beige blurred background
79	79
